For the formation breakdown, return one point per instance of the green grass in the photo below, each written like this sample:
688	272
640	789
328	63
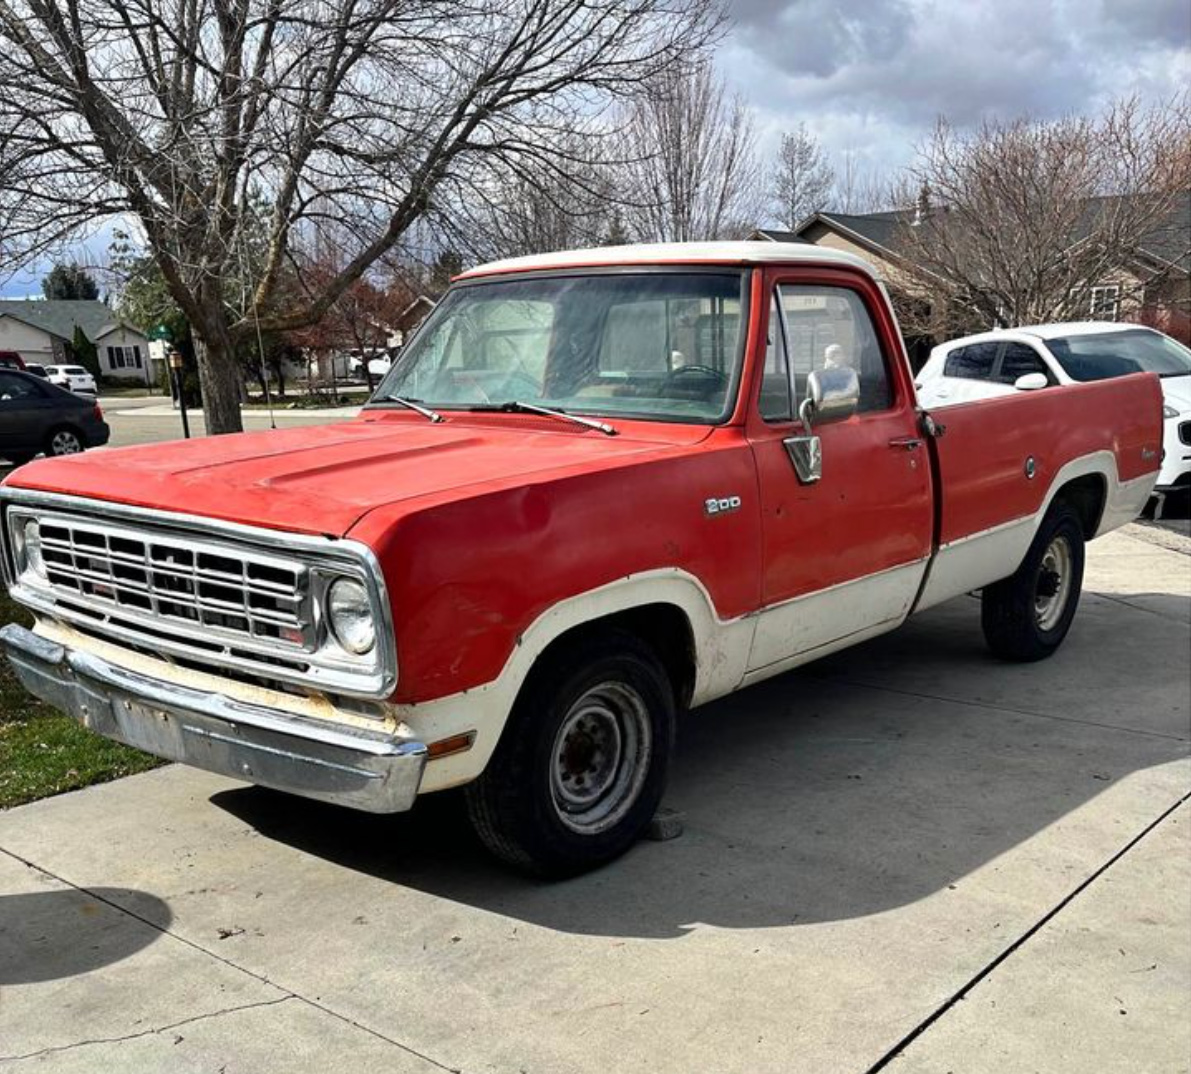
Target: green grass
43	752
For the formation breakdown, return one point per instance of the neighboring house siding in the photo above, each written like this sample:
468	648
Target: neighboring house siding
124	355
32	344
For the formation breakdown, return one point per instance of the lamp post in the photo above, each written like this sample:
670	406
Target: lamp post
176	373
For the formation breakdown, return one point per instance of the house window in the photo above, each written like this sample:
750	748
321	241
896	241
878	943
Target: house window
125	357
1106	303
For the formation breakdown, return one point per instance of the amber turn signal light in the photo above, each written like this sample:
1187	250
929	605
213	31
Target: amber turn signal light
445	747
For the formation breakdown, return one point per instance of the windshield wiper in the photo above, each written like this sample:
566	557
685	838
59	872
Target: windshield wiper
412	404
514	406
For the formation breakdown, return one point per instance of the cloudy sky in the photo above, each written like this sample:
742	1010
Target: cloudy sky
869	77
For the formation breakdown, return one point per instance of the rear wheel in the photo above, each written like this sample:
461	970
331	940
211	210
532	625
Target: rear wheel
64	441
582	763
1027	616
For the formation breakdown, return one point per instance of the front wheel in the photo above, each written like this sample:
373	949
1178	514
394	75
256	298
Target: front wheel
1027	616
582	764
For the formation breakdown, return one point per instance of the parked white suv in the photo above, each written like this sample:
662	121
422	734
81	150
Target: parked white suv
72	377
1039	356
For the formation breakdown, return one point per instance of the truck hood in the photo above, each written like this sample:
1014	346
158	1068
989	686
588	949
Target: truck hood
323	479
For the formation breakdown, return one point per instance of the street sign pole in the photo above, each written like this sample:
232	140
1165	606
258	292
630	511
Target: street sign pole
176	370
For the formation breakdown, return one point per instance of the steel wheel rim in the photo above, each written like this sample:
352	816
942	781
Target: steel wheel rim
1052	587
600	758
65	443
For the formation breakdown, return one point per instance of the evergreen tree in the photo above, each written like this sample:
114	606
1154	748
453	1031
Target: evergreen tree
69	281
85	353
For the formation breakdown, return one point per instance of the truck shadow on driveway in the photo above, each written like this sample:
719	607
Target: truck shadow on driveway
865	782
58	933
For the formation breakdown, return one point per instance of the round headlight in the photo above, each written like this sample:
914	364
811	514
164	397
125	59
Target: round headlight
32	541
350	615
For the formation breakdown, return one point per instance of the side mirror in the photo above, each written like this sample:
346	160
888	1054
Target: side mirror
831	395
1030	382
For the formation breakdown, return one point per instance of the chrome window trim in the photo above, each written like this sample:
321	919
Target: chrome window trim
323	554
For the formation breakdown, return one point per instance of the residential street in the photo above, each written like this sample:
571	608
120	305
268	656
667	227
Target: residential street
906	857
151	419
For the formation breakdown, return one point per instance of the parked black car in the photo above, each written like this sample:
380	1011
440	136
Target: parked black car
37	416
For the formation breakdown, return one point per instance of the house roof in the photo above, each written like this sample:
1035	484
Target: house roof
60	316
769	234
1168	244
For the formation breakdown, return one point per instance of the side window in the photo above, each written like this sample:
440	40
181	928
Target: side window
829	326
973	362
1017	360
775	375
17	389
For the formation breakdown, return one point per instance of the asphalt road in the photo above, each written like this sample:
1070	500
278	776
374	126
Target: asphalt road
131	425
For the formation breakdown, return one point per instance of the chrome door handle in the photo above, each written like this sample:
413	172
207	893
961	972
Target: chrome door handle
909	443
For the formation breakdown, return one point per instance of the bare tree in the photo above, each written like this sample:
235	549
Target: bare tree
1017	222
691	171
376	114
564	202
802	179
858	188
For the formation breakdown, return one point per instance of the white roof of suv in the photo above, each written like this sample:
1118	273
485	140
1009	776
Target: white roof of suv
1043	331
1078	328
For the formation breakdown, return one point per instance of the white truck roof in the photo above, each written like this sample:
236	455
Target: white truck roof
676	253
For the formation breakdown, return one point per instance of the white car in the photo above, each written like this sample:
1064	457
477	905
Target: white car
72	377
1040	356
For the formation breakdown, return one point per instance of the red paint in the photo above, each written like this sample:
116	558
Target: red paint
982	454
483	522
872	509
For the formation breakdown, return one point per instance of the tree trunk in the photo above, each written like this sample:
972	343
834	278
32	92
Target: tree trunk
219	375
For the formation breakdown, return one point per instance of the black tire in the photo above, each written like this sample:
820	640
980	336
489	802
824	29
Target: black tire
1027	616
65	440
20	460
602	711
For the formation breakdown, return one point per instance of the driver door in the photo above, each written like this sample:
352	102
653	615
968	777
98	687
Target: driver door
843	556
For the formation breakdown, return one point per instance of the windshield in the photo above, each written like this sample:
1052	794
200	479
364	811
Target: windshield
1113	354
655	345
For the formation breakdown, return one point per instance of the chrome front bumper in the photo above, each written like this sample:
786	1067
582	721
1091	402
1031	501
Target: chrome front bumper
373	772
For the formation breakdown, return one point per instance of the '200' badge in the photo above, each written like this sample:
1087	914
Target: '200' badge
721	505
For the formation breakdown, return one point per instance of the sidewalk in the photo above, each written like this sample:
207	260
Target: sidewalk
906	857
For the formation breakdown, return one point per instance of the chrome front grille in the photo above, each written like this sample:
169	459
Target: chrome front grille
225	591
196	591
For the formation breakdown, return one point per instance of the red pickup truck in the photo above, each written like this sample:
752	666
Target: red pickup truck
599	488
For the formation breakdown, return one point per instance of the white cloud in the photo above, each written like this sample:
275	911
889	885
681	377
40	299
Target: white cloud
871	76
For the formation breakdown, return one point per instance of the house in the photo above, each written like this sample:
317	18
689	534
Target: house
408	320
41	331
1153	288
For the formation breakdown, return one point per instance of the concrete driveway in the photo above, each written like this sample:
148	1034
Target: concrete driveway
906	857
